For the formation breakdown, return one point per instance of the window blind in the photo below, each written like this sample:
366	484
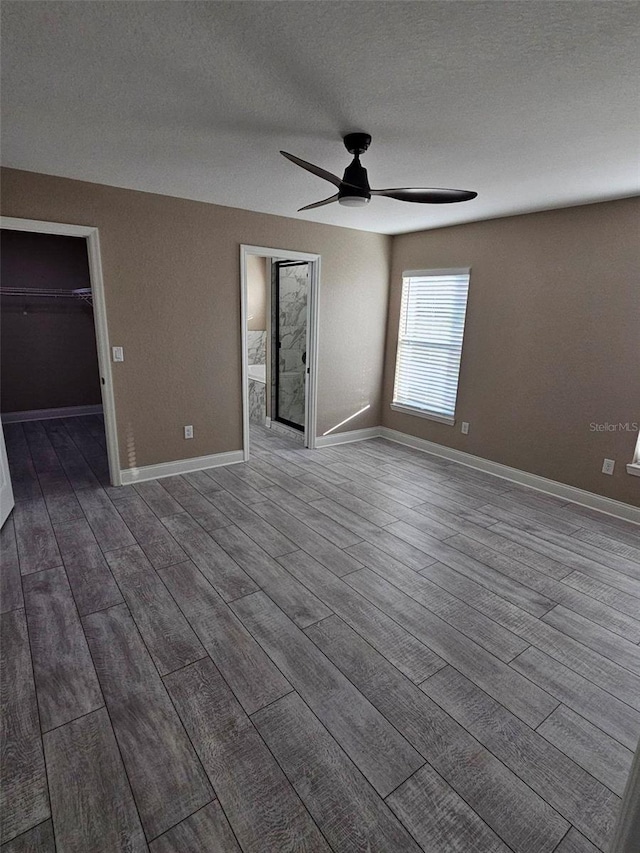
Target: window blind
432	316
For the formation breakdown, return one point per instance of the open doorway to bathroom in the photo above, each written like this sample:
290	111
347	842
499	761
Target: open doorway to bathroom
279	291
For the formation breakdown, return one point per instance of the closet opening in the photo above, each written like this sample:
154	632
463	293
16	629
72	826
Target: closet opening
56	403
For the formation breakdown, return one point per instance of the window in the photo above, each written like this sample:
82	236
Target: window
432	315
634	467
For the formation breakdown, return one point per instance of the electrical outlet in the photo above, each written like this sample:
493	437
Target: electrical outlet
118	353
188	431
465	428
608	466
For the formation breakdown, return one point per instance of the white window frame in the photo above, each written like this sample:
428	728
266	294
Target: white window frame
634	467
414	410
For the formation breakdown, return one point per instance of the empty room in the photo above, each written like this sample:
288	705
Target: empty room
320	404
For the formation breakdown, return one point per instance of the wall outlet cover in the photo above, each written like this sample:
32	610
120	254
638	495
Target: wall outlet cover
188	431
465	428
117	353
608	465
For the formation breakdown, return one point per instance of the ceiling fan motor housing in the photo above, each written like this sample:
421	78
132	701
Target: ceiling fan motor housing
356	175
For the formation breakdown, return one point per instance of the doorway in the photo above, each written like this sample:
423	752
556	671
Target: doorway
279	308
62	312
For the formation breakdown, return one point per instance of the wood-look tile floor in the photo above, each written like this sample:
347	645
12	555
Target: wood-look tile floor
362	648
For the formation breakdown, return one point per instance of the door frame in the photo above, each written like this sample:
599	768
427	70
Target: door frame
92	237
7	501
627	828
313	302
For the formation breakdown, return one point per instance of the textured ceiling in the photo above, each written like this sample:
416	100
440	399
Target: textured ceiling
532	104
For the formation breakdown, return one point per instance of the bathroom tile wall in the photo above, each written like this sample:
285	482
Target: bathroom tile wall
257	402
257	352
257	347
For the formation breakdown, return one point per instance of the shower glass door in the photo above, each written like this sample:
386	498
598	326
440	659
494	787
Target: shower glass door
291	286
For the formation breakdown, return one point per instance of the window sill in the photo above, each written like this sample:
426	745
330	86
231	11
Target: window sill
634	468
421	413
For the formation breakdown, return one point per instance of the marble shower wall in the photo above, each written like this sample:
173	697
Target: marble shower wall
293	342
257	402
257	347
257	352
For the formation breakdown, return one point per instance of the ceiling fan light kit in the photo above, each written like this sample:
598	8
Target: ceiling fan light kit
354	200
354	189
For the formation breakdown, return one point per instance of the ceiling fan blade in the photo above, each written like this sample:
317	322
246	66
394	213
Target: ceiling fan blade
320	203
427	196
315	170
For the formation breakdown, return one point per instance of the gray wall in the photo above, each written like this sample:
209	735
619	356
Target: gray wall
551	341
172	290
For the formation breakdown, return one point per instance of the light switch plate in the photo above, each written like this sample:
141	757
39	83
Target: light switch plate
117	353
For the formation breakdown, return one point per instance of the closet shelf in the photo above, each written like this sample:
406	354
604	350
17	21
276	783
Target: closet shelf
81	293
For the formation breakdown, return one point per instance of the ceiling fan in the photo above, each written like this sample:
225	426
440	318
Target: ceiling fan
354	189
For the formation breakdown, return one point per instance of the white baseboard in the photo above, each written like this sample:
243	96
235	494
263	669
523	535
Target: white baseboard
180	466
50	414
515	475
349	436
